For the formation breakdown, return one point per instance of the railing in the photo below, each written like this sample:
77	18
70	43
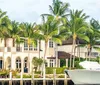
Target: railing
1	49
18	49
8	49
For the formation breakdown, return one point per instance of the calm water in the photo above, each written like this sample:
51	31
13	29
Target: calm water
61	82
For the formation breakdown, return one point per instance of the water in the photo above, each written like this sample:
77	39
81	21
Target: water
39	82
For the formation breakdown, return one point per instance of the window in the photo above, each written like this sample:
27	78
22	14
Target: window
51	63
46	64
93	54
25	45
18	49
8	49
1	49
35	48
25	62
30	47
25	65
18	63
1	63
50	43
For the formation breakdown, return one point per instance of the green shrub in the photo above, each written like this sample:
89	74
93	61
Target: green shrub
4	72
36	76
60	70
17	76
61	76
26	76
38	72
77	66
49	70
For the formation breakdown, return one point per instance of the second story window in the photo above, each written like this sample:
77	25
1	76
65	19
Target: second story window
51	63
30	47
18	49
35	48
8	49
50	43
25	45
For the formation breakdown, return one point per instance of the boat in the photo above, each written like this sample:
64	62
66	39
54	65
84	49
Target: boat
89	75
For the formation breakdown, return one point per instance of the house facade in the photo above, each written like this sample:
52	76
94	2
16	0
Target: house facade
19	56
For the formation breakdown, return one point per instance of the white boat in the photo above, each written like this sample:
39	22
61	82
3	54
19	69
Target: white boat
89	75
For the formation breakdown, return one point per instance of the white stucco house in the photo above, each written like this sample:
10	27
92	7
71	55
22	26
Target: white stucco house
19	56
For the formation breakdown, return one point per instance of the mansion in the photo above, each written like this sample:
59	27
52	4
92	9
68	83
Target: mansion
19	56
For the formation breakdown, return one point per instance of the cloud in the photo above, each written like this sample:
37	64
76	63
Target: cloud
30	10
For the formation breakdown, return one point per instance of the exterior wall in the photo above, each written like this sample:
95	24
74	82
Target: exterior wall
68	49
13	54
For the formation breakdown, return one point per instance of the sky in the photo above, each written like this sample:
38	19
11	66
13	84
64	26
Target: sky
30	10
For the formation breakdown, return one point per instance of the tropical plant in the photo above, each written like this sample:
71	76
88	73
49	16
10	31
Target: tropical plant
49	31
76	28
58	9
94	37
29	35
13	34
37	62
5	24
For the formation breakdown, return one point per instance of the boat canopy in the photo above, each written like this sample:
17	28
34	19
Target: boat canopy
89	65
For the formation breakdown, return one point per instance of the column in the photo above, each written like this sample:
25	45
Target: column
22	71
66	62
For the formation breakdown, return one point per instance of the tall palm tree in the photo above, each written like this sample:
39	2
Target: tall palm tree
13	34
49	30
5	24
76	28
58	9
94	37
29	33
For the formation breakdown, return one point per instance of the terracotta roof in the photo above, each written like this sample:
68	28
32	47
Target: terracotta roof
70	40
63	55
51	57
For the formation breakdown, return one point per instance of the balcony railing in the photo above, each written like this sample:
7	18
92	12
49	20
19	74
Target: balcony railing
18	49
1	49
8	49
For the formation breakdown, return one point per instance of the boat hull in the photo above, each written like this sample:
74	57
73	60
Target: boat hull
84	76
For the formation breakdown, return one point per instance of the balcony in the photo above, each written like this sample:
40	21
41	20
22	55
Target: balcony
8	49
18	49
1	49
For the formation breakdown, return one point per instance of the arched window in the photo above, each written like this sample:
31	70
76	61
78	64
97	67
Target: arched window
25	65
18	63
1	63
25	62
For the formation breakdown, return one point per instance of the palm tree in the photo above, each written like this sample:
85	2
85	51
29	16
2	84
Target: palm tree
94	37
58	9
37	62
5	24
76	27
49	30
29	33
13	34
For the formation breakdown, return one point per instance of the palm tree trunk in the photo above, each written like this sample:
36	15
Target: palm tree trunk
71	55
39	51
90	54
39	47
46	43
74	43
13	42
